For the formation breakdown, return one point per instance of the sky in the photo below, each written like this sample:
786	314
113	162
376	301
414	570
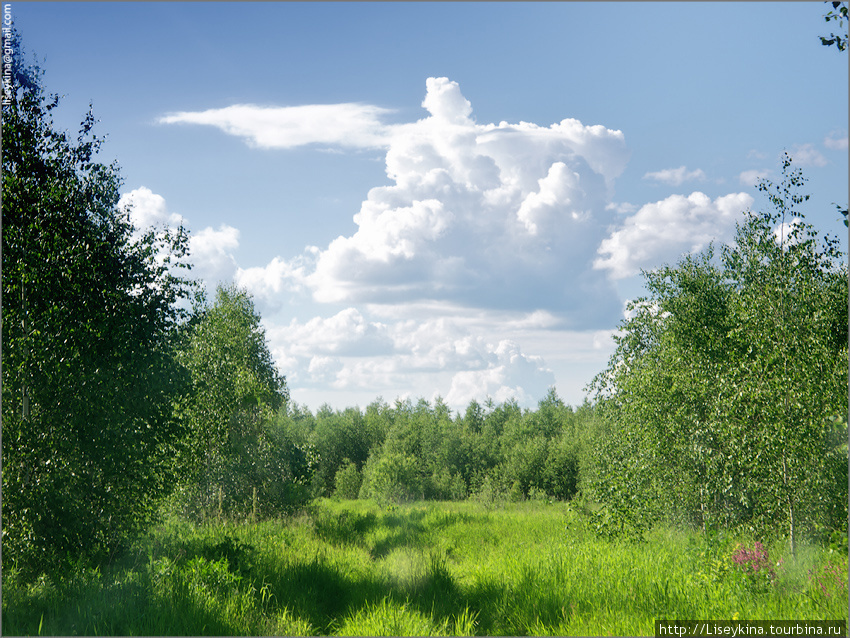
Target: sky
450	200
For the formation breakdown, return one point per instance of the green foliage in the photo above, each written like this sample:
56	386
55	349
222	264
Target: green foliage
392	477
488	492
232	369
448	486
337	436
448	458
89	317
839	14
237	459
722	394
524	466
348	481
545	452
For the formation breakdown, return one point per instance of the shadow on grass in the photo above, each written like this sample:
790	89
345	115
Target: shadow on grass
112	606
202	582
325	595
344	528
406	530
403	538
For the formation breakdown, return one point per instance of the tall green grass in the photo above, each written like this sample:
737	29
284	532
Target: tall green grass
354	568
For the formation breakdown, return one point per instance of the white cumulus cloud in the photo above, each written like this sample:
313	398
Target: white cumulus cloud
541	207
456	358
784	232
477	215
266	283
211	253
493	246
148	209
395	350
662	231
346	333
480	215
509	374
324	369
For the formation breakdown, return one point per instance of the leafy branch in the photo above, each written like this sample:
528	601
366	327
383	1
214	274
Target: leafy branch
838	13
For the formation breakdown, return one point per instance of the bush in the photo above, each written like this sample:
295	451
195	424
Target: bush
260	473
348	480
488	493
392	477
561	472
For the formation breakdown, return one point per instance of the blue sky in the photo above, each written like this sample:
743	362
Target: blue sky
448	199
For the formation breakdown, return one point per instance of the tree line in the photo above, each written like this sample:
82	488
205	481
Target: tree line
419	450
127	394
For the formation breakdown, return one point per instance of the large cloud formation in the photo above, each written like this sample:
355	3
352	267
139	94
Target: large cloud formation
499	216
488	238
496	216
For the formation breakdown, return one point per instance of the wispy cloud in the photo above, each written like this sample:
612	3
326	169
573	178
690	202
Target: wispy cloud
752	177
836	140
676	176
622	208
349	124
807	155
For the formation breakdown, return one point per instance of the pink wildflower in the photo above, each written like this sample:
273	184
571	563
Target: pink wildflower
754	561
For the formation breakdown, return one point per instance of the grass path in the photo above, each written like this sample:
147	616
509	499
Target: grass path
354	568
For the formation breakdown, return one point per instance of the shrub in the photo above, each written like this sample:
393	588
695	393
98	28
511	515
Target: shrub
348	480
392	477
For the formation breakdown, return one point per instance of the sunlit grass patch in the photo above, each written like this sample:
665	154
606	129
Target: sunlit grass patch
388	618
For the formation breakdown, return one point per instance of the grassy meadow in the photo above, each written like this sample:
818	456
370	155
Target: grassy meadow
436	568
